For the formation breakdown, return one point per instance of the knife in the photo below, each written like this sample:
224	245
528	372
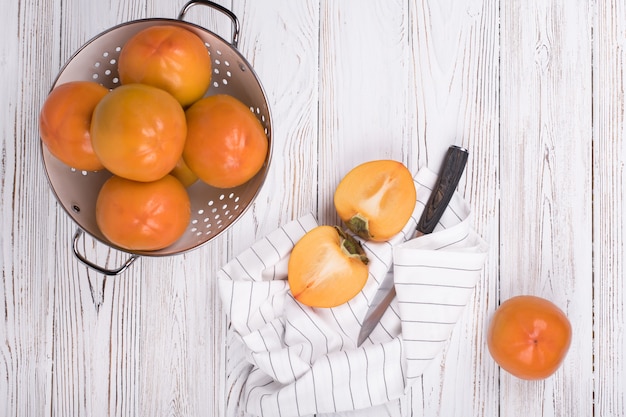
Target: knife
447	181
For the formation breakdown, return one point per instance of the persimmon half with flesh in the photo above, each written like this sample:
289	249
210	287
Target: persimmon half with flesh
168	57
138	132
376	199
326	267
226	144
143	216
529	336
65	123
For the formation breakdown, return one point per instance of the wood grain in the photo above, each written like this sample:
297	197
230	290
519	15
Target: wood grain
455	49
608	210
546	188
27	255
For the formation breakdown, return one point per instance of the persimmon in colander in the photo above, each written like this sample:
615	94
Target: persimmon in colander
138	132
65	123
183	174
168	57
376	199
326	267
143	216
226	144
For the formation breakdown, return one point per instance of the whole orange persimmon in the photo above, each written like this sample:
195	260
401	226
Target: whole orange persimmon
65	123
138	132
168	57
529	336
183	174
226	144
142	216
376	199
326	267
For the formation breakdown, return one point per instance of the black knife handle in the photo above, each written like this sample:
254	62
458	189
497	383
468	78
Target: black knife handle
451	172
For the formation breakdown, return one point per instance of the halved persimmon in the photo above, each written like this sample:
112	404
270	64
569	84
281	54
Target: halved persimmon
376	199
326	267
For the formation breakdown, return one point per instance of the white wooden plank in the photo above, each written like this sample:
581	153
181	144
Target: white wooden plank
27	257
456	48
546	170
609	154
365	109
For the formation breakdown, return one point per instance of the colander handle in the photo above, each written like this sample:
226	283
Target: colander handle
219	8
79	232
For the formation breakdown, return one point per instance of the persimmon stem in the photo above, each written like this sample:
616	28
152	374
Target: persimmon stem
360	226
351	246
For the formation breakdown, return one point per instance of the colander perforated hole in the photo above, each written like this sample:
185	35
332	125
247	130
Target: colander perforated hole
83	172
105	69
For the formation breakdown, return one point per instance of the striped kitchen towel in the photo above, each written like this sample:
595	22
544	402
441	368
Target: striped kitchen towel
301	360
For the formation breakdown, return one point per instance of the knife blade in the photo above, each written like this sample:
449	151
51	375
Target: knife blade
447	181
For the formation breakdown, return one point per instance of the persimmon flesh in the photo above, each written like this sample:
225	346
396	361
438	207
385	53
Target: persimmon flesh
138	132
226	144
168	57
65	123
326	268
143	216
529	337
376	199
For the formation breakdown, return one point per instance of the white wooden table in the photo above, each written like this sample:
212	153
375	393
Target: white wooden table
533	88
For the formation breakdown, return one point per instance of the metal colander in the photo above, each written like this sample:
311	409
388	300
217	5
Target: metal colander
213	210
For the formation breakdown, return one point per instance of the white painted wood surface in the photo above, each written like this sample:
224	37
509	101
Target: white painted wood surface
534	89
